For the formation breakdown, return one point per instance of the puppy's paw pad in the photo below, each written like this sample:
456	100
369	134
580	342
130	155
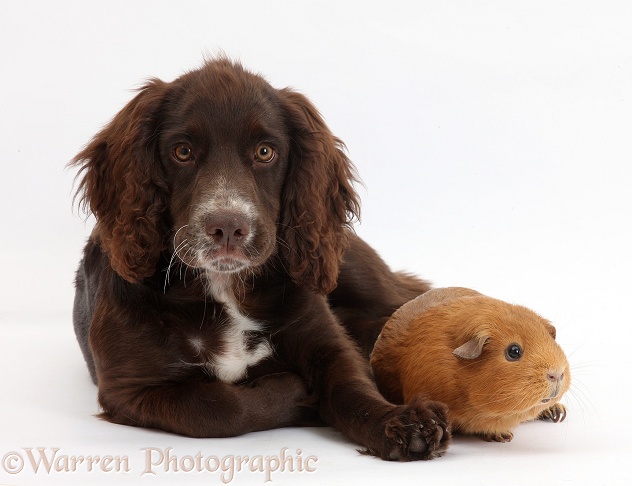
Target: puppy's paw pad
418	431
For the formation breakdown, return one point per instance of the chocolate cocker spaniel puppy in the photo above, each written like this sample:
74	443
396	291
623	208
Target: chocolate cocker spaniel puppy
222	290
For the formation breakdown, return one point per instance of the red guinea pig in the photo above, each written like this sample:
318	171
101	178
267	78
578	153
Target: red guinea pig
493	364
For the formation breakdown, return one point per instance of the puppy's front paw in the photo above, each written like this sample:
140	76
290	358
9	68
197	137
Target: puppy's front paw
417	431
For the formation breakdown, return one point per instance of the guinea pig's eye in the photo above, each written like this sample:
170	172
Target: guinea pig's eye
265	153
182	153
513	352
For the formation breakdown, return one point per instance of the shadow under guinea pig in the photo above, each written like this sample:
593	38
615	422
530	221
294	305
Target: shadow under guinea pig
493	364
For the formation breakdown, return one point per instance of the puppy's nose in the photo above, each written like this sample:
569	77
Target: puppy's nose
228	229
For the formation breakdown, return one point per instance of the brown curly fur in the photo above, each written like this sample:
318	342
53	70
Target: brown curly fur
125	189
319	200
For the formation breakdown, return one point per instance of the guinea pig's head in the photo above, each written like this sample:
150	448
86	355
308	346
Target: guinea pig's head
509	358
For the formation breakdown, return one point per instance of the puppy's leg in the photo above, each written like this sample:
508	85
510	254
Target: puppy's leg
210	409
350	401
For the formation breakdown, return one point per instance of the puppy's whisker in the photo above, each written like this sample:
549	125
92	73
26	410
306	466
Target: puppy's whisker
176	257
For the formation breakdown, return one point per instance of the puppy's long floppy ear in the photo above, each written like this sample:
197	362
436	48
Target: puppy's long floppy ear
123	185
319	202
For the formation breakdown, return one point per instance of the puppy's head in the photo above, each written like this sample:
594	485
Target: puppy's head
222	170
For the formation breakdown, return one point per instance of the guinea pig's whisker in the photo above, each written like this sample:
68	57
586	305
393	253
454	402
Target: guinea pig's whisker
578	390
583	403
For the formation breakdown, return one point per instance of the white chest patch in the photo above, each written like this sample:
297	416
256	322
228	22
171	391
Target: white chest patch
238	354
231	365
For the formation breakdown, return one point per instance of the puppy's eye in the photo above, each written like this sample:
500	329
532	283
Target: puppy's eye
265	153
513	352
182	153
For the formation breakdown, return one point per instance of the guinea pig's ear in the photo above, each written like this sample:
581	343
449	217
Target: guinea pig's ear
471	349
550	328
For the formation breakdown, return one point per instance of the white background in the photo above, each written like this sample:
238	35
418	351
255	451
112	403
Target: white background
494	143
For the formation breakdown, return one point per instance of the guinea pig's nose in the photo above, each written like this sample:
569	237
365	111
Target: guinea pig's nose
554	376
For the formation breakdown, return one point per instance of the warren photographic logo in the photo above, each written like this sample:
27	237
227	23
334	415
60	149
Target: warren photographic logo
47	461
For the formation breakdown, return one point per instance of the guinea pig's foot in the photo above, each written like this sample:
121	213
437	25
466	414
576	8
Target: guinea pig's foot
497	436
557	413
417	431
